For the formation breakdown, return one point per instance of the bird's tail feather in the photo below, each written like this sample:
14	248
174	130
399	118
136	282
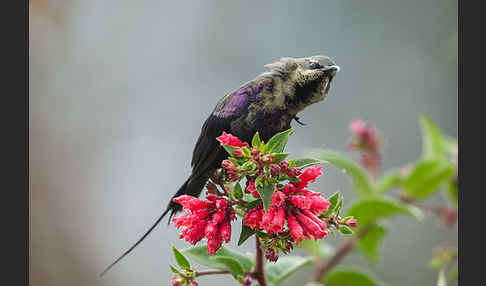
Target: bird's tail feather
172	206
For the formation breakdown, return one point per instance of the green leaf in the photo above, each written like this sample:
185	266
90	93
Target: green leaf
174	270
452	192
237	191
370	242
349	277
181	260
433	142
390	180
306	162
279	157
370	209
339	206
200	255
334	199
277	143
344	229
231	264
266	194
256	142
426	177
450	144
359	176
284	267
246	232
229	149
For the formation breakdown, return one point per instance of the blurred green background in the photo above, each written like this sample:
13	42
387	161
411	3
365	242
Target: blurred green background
119	91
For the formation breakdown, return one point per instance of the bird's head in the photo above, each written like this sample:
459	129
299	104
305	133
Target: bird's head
303	81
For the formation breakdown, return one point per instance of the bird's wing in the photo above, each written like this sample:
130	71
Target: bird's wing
231	107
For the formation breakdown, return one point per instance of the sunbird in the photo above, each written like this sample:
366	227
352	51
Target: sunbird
266	104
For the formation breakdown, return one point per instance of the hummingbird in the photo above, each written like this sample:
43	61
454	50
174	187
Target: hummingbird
267	105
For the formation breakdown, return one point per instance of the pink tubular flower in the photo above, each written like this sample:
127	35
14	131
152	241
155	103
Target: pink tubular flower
211	219
311	224
370	160
309	175
295	228
230	140
278	198
253	218
309	200
274	220
366	136
252	189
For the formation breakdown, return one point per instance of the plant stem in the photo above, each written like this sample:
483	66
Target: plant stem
212	272
259	273
323	268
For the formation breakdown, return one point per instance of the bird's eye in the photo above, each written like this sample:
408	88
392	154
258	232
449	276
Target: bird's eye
314	65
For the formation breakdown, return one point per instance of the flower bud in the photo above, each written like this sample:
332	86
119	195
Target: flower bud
289	246
293	172
246	281
228	165
352	222
238	152
274	170
284	166
449	216
176	280
271	254
268	158
255	152
212	189
193	283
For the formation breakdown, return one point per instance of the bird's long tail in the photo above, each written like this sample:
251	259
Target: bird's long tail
193	187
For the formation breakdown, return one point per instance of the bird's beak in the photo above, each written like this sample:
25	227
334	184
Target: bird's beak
335	68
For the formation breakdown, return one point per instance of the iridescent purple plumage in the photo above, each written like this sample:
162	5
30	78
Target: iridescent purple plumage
243	96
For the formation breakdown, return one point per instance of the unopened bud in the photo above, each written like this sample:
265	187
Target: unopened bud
289	246
284	165
246	281
271	254
352	222
293	172
274	170
212	189
268	158
255	152
176	280
449	217
238	152
233	176
228	165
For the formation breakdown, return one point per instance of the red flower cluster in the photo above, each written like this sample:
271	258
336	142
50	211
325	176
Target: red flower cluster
294	204
231	170
366	135
230	140
211	219
368	140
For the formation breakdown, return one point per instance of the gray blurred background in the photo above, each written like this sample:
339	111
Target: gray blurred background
119	91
